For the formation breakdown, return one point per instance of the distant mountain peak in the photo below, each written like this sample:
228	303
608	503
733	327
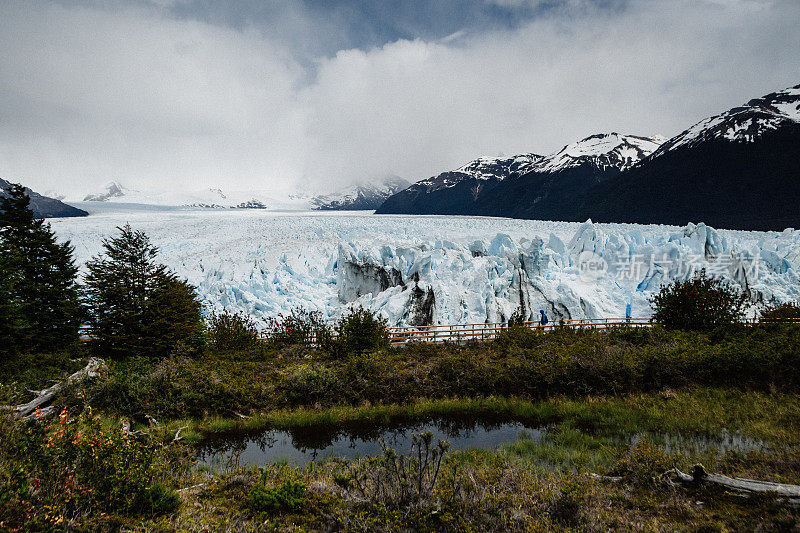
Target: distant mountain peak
365	197
744	123
112	189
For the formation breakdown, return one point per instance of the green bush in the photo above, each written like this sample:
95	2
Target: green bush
309	385
701	304
180	387
358	332
290	496
228	331
77	469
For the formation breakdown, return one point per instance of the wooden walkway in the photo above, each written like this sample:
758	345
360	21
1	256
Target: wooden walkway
459	333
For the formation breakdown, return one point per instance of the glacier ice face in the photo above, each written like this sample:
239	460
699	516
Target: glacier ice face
416	270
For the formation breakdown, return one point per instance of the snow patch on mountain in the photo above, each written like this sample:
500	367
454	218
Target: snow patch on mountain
499	167
484	169
602	150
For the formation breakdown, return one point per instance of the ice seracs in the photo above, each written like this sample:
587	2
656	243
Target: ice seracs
443	270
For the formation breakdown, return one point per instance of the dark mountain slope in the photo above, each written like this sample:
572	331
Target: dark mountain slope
739	169
45	207
753	186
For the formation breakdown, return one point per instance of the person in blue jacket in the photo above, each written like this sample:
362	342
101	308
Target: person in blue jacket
543	318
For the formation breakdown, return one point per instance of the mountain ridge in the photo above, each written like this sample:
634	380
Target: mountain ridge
738	169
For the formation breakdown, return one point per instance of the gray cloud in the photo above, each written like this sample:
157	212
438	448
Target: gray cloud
136	93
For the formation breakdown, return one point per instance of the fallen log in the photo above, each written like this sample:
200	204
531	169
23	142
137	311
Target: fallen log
44	397
741	486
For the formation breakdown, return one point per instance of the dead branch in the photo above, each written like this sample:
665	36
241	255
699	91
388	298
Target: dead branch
740	486
44	397
177	436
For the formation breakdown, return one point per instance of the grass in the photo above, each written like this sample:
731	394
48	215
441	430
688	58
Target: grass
629	403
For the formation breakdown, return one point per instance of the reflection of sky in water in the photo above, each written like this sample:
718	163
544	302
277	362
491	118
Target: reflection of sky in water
303	445
276	445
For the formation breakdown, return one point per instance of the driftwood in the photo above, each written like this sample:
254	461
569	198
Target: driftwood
44	397
608	479
790	494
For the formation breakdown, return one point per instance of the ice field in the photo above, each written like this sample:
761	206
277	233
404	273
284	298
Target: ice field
437	269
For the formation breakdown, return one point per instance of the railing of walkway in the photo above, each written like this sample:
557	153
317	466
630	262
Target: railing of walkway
460	333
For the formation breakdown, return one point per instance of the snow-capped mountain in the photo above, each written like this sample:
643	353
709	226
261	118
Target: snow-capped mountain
110	191
739	169
44	206
511	186
360	197
743	124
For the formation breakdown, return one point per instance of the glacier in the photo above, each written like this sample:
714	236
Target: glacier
417	270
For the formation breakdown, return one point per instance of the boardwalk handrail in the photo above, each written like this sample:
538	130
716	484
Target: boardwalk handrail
458	333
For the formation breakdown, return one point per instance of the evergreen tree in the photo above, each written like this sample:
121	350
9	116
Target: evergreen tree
137	306
12	324
40	287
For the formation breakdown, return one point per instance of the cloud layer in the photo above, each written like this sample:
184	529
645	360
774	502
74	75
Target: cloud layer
137	93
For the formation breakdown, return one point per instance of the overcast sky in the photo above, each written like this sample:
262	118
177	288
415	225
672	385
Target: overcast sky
315	94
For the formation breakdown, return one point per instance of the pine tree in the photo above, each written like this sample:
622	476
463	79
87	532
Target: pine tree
13	328
42	284
137	306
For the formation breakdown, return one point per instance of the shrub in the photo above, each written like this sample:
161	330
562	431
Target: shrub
781	311
642	463
291	496
137	306
565	508
516	336
309	385
73	469
358	332
398	482
701	303
228	331
299	327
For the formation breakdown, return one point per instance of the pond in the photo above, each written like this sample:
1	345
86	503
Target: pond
300	446
303	445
